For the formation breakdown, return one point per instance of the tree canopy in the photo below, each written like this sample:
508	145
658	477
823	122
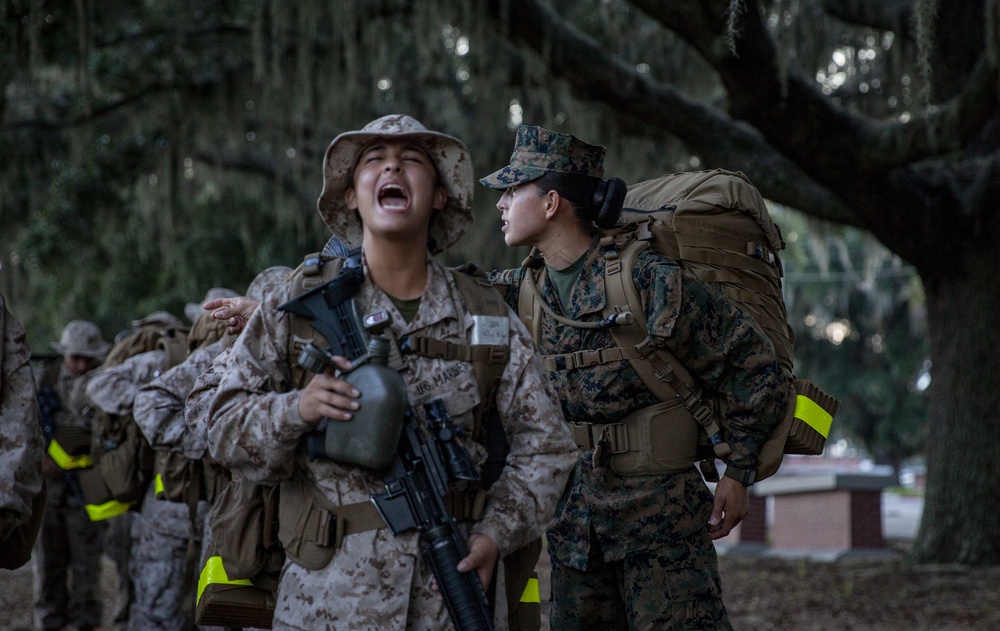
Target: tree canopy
153	150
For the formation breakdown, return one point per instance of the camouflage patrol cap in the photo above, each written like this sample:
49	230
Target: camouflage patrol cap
451	159
82	338
193	309
538	151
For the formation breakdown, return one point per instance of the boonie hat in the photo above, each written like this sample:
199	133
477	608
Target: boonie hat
450	156
82	338
194	309
538	150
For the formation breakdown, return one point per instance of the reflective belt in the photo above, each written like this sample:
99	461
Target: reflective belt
531	593
67	462
810	413
214	573
158	485
107	510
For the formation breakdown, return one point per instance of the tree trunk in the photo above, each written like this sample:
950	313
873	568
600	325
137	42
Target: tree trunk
960	523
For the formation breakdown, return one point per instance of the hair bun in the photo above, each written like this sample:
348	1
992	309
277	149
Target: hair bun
608	199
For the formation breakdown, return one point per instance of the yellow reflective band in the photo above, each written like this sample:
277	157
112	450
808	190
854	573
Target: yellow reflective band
531	594
813	415
158	485
107	510
66	461
215	574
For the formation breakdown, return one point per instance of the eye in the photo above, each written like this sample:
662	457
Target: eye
512	191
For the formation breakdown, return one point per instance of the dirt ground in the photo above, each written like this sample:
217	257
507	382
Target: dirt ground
764	593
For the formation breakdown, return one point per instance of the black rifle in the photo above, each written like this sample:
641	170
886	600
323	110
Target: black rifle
414	498
48	405
330	312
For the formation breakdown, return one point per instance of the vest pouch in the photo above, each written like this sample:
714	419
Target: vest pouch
173	474
655	440
237	522
127	468
307	524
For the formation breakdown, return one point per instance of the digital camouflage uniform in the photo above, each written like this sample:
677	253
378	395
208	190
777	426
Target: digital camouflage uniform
376	579
67	561
634	551
161	530
21	443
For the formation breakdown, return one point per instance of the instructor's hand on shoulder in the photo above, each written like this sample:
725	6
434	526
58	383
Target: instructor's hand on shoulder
329	396
235	311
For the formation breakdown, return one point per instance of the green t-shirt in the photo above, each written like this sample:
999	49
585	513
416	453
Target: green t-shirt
408	308
565	279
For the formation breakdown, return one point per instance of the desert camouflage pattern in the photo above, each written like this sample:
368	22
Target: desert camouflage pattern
162	582
450	156
67	555
616	517
113	389
538	151
200	398
82	338
378	580
162	566
159	404
21	443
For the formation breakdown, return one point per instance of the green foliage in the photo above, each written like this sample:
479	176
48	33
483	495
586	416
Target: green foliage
858	316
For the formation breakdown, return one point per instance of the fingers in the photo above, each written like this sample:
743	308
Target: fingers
732	501
330	397
482	557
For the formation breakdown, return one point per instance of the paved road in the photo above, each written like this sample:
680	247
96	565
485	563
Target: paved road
901	515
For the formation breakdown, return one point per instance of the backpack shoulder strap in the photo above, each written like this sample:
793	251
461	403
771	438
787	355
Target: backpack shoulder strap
659	369
174	342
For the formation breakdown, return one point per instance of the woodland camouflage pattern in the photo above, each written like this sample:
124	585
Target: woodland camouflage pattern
21	443
378	580
715	341
160	413
538	151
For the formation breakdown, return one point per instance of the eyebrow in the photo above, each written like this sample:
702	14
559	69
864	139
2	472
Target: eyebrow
405	147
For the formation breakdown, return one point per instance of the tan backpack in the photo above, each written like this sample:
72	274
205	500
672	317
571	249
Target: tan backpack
123	459
716	223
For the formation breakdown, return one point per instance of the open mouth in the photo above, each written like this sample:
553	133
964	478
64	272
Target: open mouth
393	197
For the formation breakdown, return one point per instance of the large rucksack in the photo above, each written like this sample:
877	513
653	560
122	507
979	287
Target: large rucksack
123	459
716	223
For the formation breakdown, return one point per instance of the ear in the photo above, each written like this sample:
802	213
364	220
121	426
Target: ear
351	199
553	201
440	198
